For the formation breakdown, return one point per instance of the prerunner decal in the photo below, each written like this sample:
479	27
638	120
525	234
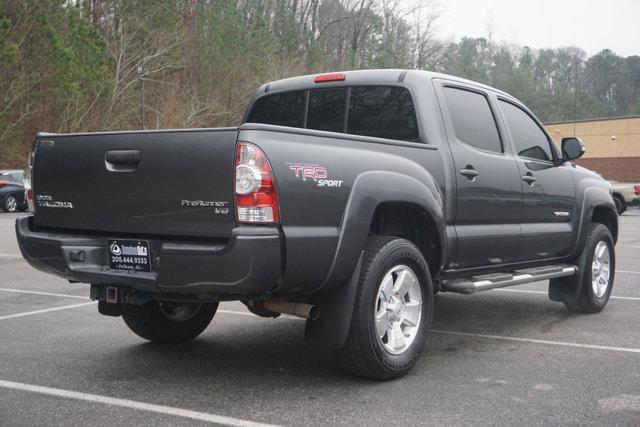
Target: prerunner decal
219	207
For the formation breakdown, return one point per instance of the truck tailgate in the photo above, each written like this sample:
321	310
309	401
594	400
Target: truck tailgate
176	182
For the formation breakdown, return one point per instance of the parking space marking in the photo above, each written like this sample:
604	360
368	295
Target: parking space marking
10	256
535	341
496	337
132	404
46	310
525	291
21	291
627	272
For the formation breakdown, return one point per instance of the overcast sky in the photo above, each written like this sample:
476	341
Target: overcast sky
590	24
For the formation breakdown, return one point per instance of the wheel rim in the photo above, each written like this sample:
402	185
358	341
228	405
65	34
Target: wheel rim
398	309
600	269
179	312
12	204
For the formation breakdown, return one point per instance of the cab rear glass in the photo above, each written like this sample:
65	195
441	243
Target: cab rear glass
378	111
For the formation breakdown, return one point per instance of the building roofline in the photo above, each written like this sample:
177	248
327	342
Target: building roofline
597	119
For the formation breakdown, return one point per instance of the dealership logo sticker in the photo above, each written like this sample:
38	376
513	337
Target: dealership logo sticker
115	249
314	173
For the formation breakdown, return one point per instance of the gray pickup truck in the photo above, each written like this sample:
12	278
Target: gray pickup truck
349	199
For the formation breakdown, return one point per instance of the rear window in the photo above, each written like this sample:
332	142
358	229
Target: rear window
326	110
377	111
282	109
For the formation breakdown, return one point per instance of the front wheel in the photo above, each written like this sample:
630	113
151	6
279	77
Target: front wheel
600	266
168	322
392	313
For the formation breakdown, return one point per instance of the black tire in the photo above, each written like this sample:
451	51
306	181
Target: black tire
364	354
621	205
160	322
10	203
589	301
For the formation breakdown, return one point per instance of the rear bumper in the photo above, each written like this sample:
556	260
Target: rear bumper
249	263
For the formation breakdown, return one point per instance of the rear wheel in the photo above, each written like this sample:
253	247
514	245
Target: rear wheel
168	322
10	203
392	313
597	279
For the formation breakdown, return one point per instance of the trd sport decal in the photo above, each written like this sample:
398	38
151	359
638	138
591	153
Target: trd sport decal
314	173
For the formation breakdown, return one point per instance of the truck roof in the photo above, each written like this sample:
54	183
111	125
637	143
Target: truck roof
363	77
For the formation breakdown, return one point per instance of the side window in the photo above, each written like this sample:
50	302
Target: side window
382	112
283	109
473	121
530	141
326	110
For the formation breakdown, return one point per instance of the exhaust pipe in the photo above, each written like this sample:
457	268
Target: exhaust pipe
304	311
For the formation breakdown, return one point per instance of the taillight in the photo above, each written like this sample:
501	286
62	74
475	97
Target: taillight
636	189
2	184
28	178
256	195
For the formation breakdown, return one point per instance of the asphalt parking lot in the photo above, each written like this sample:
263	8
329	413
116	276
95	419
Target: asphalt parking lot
500	357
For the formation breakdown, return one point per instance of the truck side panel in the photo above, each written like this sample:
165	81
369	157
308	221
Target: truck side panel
317	174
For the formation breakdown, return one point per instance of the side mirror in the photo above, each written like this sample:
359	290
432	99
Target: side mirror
572	148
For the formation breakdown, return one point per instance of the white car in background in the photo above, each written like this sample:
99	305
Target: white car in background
624	194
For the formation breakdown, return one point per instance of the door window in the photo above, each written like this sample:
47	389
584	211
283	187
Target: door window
530	141
382	112
473	121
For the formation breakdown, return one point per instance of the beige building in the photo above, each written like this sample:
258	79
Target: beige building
613	145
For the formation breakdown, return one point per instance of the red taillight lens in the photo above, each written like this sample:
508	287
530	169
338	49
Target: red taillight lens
636	189
331	77
2	183
256	195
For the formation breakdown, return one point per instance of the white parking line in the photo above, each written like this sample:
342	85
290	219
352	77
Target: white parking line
499	337
531	340
627	271
10	256
132	404
46	310
21	291
525	291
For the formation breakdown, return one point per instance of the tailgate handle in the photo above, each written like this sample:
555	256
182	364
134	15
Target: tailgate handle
122	160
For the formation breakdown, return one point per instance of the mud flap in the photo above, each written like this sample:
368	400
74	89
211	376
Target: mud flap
567	289
331	328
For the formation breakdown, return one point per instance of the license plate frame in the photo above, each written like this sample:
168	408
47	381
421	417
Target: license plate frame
129	255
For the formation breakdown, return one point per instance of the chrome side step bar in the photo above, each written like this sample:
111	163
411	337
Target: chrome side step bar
471	285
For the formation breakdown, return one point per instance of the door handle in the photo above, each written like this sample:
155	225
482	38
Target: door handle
469	172
529	179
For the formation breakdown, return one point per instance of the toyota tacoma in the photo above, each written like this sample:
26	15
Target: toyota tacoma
348	199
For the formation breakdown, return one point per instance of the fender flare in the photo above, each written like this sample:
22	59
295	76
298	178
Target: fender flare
593	198
337	298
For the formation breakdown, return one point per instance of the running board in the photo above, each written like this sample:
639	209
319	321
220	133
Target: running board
471	285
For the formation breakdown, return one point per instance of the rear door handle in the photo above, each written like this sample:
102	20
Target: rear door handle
469	172
529	179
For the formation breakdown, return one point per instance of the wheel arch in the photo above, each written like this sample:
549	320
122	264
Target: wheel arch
372	193
412	222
